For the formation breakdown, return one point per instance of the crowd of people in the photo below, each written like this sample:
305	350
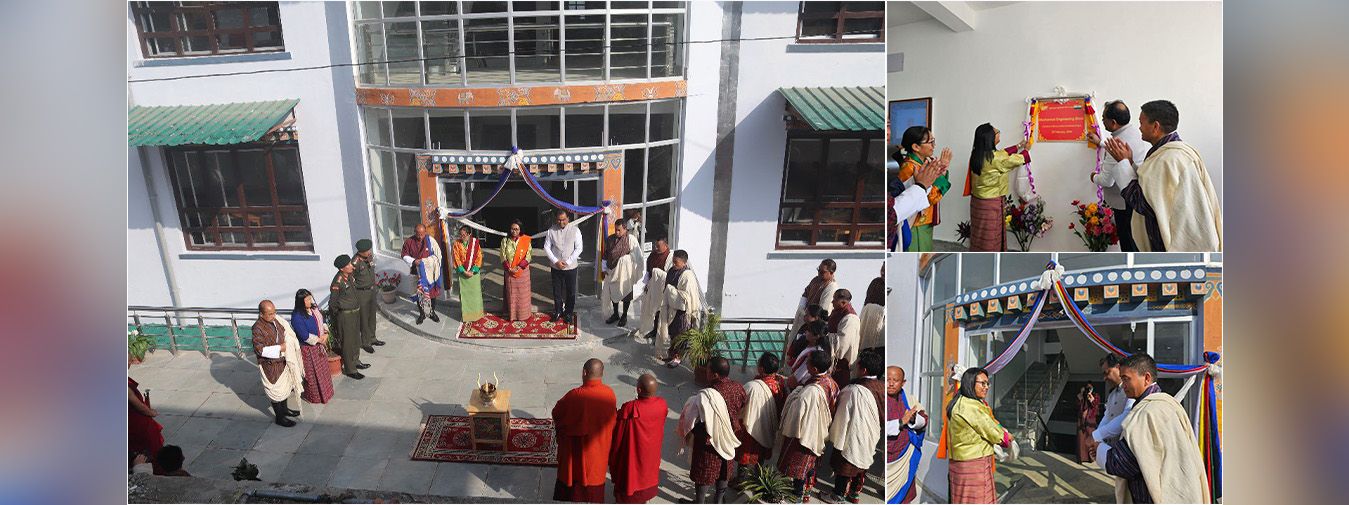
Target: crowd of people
724	428
1157	185
1144	439
827	393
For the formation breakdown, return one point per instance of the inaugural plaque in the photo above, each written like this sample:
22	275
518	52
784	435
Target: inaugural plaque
1064	121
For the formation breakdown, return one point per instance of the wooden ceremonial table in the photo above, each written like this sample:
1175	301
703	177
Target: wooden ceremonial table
488	423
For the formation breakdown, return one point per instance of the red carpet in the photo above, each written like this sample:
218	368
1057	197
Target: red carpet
537	327
446	438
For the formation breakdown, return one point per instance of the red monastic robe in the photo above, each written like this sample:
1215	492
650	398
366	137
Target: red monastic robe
584	420
634	461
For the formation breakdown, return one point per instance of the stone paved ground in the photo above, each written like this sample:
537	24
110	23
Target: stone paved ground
1052	477
213	407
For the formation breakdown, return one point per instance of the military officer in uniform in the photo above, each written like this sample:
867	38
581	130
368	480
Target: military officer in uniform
346	308
365	293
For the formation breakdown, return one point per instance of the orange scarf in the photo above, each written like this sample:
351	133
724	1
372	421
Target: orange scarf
521	248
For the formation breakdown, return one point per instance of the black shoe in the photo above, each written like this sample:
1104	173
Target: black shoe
369	349
556	317
356	375
292	413
362	366
623	321
279	408
420	319
434	318
611	319
378	342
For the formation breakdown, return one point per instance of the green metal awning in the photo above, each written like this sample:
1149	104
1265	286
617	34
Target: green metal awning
220	124
860	108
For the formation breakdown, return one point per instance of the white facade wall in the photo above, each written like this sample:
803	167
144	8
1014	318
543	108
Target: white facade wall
316	34
760	282
1132	51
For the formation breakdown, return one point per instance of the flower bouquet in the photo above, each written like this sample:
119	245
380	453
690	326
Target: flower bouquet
1098	226
387	282
1027	221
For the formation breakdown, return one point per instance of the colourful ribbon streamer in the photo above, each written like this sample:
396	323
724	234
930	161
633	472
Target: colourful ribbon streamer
501	183
1096	127
1007	354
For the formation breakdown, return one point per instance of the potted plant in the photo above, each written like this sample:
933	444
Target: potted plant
701	345
765	484
137	345
334	359
387	281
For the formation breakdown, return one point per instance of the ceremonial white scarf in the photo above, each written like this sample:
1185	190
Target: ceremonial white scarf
760	414
709	407
806	417
1159	434
291	382
872	319
1177	186
856	427
620	280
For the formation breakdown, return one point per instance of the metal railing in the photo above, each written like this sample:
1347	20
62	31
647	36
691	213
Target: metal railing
1029	407
210	329
747	338
206	329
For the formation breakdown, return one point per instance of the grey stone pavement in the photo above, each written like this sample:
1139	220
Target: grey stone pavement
213	407
1051	477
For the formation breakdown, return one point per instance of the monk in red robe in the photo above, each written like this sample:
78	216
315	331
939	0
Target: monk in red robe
584	420
634	462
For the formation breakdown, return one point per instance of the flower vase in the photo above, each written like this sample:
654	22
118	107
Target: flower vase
388	297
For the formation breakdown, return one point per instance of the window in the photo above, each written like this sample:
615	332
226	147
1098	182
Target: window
174	29
835	22
832	193
245	196
441	44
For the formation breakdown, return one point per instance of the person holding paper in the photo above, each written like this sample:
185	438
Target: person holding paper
278	353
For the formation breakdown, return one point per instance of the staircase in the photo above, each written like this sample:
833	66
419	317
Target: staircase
1023	409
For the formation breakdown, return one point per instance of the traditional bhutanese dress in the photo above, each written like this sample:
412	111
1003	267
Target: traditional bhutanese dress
517	290
318	381
988	223
144	431
468	258
971	434
921	223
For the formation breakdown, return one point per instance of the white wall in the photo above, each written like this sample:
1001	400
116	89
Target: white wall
759	281
330	157
1154	50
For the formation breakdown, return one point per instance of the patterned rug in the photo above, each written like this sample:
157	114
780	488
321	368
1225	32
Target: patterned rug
540	326
446	438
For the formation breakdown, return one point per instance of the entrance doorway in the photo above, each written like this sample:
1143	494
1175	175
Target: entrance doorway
518	201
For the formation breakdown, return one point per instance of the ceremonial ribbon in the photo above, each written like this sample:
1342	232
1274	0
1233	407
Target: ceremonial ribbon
1096	127
1209	440
1029	132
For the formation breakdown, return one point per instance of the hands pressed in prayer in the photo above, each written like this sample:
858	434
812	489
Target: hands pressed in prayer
1118	149
945	159
908	416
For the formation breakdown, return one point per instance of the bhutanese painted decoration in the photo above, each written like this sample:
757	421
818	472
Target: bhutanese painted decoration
1110	293
515	96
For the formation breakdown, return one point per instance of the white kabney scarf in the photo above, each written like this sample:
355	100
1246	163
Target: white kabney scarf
806	417
760	414
709	408
846	342
1160	436
1178	188
856	427
873	326
688	297
291	382
653	294
620	280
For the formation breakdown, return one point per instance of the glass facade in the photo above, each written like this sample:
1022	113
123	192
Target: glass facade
454	44
646	132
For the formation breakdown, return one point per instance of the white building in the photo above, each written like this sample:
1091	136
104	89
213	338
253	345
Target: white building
678	116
